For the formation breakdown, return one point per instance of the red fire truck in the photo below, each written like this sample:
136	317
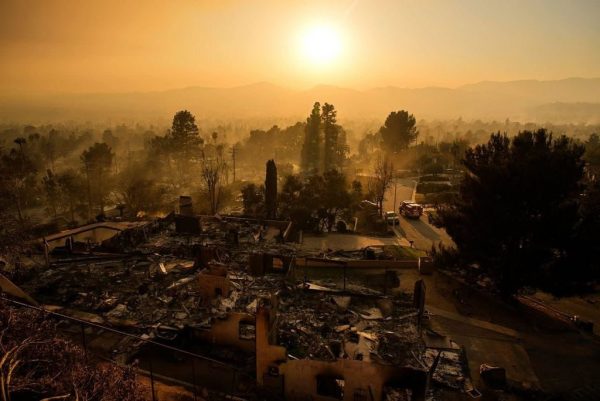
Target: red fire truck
410	210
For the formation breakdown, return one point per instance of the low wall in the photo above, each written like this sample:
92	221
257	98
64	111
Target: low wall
357	264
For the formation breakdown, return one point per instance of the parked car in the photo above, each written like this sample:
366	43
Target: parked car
368	205
391	217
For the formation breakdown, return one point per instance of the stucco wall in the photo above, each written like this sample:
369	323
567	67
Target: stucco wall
300	378
208	285
226	332
266	353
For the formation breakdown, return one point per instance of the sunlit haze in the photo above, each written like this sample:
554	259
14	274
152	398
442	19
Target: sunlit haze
117	46
321	45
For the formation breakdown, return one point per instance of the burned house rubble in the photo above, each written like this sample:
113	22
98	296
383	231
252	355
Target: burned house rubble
237	284
315	345
321	326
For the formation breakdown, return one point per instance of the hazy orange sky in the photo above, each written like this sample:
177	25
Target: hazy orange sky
120	45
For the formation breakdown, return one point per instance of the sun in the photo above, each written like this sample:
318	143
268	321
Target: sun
321	44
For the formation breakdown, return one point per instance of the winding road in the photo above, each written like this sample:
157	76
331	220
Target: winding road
423	234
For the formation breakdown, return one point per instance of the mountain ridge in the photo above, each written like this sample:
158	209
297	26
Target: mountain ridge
517	100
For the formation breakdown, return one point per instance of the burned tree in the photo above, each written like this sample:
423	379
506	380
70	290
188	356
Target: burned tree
271	190
212	168
37	363
253	199
383	175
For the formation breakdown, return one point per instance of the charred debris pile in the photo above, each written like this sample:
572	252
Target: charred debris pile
190	280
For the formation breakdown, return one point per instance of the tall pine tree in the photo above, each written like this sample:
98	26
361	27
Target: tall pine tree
330	130
399	131
311	149
271	190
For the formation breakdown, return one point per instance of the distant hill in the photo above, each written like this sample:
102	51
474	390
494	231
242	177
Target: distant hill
567	100
577	112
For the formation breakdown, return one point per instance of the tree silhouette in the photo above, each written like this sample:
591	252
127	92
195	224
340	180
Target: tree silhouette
20	141
184	142
51	191
17	178
212	168
517	207
330	131
312	141
71	186
271	190
292	204
383	175
584	252
110	139
97	161
184	131
316	202
138	191
335	198
253	199
592	150
49	149
399	131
